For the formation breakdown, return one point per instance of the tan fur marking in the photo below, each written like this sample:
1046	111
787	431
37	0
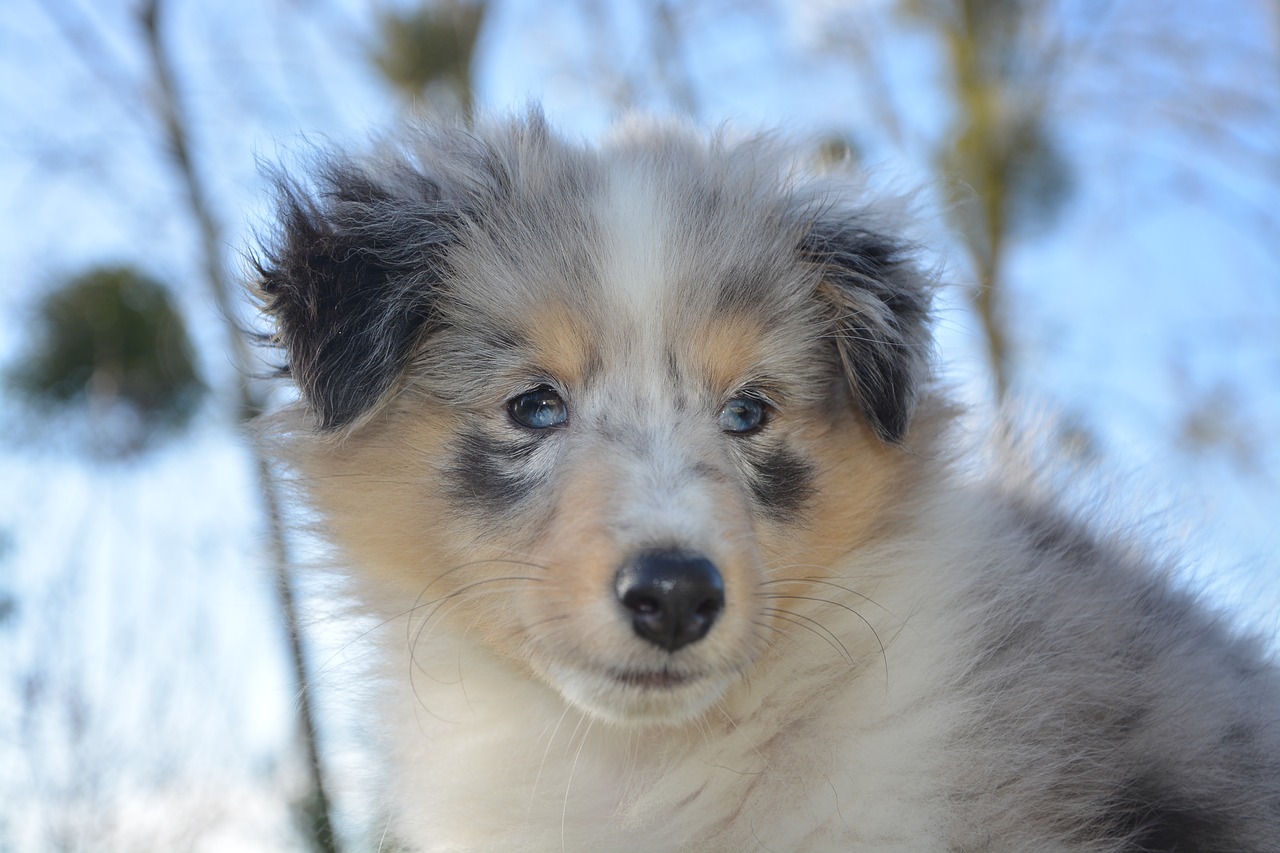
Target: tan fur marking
854	483
726	349
379	495
562	346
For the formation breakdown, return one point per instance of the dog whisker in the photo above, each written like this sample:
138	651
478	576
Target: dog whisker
568	785
419	635
550	738
816	628
883	653
825	582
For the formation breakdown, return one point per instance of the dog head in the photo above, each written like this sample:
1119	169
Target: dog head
596	408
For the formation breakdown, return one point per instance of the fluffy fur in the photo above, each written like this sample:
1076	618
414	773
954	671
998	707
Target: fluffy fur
633	452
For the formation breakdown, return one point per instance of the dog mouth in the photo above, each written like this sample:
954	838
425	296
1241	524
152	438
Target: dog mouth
637	694
653	679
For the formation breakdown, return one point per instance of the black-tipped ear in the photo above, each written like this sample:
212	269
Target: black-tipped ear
350	283
880	310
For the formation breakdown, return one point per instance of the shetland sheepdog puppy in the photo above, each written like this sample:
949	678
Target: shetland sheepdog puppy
634	453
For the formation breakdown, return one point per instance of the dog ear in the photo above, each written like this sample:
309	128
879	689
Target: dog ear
350	283
879	305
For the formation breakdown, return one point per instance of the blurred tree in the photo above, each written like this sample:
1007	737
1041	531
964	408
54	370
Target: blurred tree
1000	156
836	150
315	811
427	53
8	601
111	343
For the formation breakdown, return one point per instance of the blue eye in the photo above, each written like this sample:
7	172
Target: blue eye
540	408
743	415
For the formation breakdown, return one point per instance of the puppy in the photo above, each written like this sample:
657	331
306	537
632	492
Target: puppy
634	454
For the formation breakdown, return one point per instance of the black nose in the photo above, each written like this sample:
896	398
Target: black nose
673	598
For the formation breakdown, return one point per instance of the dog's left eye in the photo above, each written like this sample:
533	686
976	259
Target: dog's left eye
742	415
540	408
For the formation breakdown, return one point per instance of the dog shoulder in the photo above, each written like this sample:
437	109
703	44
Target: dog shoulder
1110	707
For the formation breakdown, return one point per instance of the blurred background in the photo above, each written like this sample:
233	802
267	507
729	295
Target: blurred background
1099	181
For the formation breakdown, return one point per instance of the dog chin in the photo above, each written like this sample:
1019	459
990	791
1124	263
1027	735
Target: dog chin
639	697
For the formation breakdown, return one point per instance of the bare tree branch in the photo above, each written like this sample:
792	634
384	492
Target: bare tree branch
169	108
668	62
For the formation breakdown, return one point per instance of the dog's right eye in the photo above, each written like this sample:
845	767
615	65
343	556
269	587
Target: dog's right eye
540	408
743	415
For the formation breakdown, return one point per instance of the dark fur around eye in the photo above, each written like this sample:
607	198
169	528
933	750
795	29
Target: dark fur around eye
491	475
781	481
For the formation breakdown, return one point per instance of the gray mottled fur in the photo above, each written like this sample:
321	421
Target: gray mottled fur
1026	684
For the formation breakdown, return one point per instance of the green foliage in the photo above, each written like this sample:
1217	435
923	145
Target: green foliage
1213	420
312	812
109	337
8	602
1018	170
1002	145
428	46
1010	176
837	150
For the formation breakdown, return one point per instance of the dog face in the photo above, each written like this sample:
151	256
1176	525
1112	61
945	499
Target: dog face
603	411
